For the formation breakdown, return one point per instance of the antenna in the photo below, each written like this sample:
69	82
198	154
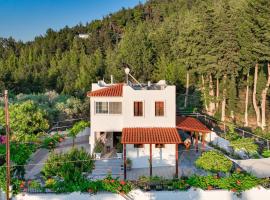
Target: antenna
127	70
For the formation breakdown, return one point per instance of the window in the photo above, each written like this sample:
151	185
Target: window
102	107
159	146
115	107
159	108
138	108
138	146
108	107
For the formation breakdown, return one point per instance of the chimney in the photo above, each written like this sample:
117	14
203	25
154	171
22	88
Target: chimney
111	79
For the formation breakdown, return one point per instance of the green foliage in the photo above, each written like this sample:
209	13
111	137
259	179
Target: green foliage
99	146
68	166
266	154
108	184
26	120
214	161
34	184
160	39
231	134
57	106
246	144
19	153
236	182
77	128
51	141
119	148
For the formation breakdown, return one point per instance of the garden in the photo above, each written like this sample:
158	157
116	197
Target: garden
31	116
237	147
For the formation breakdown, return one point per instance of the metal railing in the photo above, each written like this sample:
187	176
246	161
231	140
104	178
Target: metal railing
221	128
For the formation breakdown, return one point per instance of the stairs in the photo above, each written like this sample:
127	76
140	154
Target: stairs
105	166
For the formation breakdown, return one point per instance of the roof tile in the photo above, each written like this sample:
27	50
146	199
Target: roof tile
111	91
191	124
157	135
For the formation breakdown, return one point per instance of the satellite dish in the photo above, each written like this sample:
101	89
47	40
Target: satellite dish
127	70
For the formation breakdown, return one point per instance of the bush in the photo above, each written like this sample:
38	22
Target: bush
114	185
266	154
236	182
99	146
50	142
214	161
231	134
19	153
108	184
246	144
69	166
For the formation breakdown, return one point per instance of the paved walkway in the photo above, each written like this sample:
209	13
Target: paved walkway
32	170
257	167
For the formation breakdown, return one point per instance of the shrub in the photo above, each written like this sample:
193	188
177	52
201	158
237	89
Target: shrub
115	185
231	134
99	146
236	182
77	128
266	154
214	161
68	166
51	141
50	183
246	144
34	184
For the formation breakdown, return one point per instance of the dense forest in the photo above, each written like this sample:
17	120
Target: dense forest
215	50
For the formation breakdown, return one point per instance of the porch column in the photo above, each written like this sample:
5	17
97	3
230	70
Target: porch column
125	162
176	160
150	160
196	142
203	141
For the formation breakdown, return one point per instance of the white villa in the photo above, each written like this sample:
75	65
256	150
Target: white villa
141	117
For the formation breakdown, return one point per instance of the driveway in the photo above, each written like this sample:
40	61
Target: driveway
33	168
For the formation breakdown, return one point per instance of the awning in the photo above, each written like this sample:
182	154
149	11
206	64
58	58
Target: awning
191	124
150	136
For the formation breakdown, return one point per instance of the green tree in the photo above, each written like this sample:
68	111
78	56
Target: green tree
26	120
76	129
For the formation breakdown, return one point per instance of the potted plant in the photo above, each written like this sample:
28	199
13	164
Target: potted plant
128	164
99	146
119	150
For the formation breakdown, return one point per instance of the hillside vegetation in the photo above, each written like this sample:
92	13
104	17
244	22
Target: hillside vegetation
222	47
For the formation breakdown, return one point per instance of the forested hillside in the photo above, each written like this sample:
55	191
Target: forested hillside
222	47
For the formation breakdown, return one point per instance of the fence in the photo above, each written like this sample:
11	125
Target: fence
221	128
65	124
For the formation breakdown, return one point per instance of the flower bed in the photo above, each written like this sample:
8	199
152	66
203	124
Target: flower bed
108	184
237	182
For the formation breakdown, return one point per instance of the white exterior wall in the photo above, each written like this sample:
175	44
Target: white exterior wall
148	97
116	122
160	156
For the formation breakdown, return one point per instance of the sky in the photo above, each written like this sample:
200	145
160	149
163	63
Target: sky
25	19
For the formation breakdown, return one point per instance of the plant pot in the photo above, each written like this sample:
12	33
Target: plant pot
159	187
146	188
119	155
98	155
169	187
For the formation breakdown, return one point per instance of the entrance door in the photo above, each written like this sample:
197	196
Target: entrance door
116	138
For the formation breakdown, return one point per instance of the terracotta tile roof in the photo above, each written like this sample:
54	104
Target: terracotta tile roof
150	136
190	124
111	91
